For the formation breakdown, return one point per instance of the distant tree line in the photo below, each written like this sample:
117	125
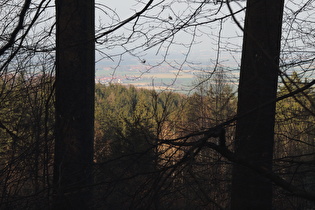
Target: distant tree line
134	166
213	149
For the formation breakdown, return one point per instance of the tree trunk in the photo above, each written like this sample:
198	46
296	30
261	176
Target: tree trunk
75	84
258	84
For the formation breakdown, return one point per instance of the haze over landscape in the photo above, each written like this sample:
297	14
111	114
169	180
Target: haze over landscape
177	69
157	104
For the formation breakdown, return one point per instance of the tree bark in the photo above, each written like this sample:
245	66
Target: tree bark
258	84
75	84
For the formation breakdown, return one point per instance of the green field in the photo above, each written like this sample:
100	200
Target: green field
172	79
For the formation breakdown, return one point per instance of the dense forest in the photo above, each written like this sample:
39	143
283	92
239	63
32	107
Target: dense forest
242	138
136	163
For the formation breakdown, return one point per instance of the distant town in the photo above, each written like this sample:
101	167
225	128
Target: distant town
161	77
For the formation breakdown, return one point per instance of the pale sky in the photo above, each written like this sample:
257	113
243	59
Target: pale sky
206	47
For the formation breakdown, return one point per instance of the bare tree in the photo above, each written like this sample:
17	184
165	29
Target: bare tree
26	95
157	28
258	83
74	103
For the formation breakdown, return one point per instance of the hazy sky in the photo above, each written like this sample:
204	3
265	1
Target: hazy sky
205	48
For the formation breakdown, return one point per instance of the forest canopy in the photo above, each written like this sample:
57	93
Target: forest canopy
68	142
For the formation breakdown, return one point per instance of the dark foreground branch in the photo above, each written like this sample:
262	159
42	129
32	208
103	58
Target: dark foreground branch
294	191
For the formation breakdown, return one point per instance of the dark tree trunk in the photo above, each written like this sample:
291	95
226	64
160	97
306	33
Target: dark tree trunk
75	85
258	84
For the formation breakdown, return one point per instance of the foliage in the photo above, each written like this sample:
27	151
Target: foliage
130	122
26	137
133	169
156	150
295	137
